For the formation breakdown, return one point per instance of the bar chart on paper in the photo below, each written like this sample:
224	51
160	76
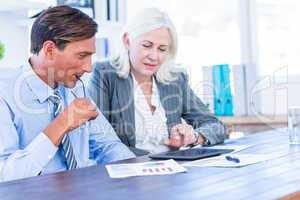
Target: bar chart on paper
144	169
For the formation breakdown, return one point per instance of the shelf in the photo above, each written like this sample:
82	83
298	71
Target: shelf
254	120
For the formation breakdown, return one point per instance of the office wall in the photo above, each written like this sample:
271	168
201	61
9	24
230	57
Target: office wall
294	91
14	34
279	93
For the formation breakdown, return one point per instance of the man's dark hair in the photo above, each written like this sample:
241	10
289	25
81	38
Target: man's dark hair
62	25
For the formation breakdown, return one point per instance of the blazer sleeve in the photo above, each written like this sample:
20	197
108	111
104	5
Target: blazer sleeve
195	113
98	88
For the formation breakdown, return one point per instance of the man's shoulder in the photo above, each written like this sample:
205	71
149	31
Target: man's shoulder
8	73
9	79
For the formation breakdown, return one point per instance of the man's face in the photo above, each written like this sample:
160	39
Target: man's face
73	61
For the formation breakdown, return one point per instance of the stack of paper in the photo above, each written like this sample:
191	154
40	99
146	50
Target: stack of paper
244	159
144	169
236	148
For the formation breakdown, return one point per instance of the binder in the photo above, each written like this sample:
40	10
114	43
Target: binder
208	95
222	92
239	90
102	48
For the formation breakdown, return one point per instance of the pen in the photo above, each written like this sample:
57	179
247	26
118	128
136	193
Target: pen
233	159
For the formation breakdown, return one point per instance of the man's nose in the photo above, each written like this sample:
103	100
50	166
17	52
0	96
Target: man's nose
87	67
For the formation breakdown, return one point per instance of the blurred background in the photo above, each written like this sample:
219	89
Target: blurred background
252	43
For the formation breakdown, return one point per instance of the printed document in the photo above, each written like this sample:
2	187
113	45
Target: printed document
144	169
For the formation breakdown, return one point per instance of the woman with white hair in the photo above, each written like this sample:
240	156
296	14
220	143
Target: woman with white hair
145	98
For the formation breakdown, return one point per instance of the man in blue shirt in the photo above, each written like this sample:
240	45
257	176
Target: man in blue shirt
46	122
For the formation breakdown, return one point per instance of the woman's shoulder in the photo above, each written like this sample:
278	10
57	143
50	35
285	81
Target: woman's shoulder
179	82
105	69
180	77
104	66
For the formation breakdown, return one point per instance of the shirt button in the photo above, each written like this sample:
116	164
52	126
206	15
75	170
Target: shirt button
49	157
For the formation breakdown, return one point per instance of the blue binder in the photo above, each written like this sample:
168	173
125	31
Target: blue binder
106	48
222	92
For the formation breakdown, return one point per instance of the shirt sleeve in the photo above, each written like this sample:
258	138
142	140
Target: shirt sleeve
16	162
104	144
213	132
197	114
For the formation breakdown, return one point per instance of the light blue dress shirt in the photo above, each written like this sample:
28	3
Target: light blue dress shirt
25	111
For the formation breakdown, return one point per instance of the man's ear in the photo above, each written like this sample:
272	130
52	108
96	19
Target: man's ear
126	40
49	49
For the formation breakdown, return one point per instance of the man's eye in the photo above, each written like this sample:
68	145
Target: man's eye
82	56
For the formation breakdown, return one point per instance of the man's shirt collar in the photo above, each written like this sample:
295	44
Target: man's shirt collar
41	90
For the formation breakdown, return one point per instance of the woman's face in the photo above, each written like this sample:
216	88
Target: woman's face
148	51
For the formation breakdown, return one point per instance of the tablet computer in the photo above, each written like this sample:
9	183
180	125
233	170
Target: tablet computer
190	154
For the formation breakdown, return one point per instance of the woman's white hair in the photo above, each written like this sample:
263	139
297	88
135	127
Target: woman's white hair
145	21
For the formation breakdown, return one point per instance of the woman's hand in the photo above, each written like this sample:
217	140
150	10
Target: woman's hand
183	135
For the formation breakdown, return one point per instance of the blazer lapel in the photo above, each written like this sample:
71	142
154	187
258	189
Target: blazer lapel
126	105
171	101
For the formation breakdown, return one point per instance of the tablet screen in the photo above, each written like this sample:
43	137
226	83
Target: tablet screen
190	154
